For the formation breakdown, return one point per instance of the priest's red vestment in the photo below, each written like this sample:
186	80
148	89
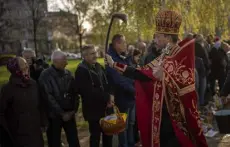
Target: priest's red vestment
177	89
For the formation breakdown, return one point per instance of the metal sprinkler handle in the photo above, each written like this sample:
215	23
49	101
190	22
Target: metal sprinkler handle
117	15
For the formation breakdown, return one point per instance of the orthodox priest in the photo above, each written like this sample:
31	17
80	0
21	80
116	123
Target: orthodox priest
166	100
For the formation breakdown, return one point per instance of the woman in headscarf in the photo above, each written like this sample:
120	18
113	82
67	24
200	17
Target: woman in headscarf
20	106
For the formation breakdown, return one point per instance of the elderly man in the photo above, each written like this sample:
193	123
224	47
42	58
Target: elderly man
29	55
57	83
166	100
36	65
94	89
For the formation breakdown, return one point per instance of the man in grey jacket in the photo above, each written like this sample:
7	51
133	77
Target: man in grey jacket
59	90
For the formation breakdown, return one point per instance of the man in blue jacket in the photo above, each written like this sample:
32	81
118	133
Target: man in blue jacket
124	91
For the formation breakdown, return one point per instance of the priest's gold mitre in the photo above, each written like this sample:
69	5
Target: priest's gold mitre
168	22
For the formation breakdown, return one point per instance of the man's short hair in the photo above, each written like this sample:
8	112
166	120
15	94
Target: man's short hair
116	38
57	55
86	48
28	51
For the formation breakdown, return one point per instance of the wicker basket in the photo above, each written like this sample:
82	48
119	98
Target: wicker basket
114	123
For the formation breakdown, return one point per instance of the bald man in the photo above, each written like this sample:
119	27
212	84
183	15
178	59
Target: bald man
29	55
58	88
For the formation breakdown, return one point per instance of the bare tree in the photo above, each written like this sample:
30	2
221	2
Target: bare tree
2	20
5	23
37	10
162	3
80	10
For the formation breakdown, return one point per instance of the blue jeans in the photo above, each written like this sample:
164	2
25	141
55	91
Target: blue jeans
126	138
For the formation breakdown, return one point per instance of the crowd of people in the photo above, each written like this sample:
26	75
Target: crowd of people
40	98
212	62
46	98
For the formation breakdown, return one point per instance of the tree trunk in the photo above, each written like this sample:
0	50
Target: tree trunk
80	41
101	38
218	31
229	24
3	46
138	31
35	33
35	42
162	3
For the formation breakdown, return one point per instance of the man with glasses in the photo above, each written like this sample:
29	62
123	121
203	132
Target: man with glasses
123	87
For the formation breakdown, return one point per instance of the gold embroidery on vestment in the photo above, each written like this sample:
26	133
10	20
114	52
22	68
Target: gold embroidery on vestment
187	89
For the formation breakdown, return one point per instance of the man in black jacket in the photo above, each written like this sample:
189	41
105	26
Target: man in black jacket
95	93
219	62
62	101
202	53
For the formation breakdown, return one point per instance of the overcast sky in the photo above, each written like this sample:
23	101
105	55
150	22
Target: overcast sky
55	4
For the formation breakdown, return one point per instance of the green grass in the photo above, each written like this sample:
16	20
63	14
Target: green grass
4	75
72	65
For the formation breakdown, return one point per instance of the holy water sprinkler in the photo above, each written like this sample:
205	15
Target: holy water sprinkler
117	15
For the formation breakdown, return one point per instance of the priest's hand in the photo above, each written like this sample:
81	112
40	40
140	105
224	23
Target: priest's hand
158	73
108	60
110	102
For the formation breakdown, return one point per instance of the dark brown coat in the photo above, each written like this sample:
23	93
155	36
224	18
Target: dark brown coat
20	113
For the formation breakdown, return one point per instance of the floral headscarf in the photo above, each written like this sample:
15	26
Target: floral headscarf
14	69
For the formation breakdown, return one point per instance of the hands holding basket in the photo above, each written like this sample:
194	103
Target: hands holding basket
114	123
110	103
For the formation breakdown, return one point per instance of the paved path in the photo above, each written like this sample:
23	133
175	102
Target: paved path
218	141
84	139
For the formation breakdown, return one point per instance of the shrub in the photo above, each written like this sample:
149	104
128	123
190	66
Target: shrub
5	58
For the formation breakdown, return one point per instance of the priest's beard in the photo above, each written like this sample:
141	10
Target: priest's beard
160	49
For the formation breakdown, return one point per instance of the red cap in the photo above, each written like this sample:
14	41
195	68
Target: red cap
216	39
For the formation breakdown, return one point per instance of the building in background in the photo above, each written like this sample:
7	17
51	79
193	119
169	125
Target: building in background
22	15
61	31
